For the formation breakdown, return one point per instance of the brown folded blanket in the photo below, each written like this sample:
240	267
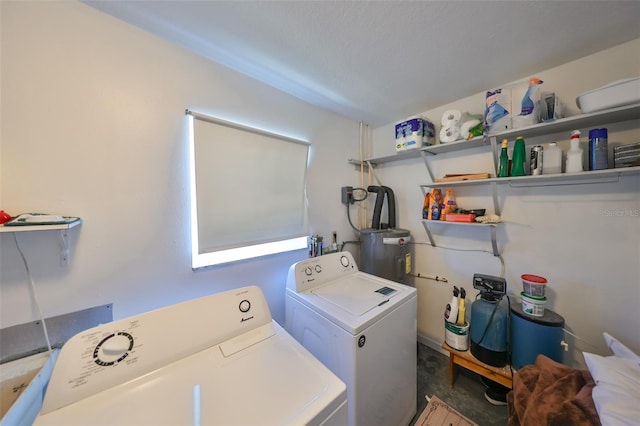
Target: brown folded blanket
550	393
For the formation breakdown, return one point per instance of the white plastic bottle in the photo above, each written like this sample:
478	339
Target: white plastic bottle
552	160
574	156
452	317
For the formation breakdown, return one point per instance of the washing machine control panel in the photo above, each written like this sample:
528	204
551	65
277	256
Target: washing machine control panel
315	271
308	271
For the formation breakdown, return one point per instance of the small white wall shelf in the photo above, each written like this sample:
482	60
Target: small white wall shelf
28	228
593	176
490	226
62	229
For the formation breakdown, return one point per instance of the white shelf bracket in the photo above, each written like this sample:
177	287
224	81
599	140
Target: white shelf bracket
495	154
494	195
494	242
423	154
426	228
64	247
373	171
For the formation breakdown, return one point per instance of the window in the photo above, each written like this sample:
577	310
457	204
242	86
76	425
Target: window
247	191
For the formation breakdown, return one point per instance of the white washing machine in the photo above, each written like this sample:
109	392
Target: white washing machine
218	360
362	327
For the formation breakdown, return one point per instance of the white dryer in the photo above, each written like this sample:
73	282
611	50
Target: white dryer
217	360
362	327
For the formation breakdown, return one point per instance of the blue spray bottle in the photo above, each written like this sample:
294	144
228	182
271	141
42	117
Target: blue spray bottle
528	105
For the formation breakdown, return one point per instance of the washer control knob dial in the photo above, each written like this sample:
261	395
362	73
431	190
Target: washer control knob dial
244	306
113	349
344	260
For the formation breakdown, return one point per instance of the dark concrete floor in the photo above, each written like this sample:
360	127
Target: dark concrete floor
466	396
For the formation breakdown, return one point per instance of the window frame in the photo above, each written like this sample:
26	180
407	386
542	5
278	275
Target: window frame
202	259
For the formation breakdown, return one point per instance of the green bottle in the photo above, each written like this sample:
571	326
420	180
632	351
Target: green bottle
519	154
503	170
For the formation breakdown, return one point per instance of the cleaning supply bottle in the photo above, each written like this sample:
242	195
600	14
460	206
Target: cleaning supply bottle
400	145
461	307
552	160
528	105
574	156
503	169
519	157
435	208
447	312
598	149
453	313
450	204
426	206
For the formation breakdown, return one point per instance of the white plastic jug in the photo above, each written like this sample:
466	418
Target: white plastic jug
552	160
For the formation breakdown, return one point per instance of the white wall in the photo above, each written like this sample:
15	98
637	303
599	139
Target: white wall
93	126
567	234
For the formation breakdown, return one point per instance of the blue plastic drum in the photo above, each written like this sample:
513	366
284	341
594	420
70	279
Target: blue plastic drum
531	336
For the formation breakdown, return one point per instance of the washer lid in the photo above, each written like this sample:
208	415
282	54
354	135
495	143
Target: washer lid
356	295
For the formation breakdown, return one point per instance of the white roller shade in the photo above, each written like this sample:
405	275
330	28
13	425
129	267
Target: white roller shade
248	189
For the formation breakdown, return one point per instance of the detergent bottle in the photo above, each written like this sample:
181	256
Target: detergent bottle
450	204
436	204
425	206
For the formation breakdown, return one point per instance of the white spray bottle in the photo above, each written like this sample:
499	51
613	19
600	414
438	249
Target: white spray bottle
453	312
574	156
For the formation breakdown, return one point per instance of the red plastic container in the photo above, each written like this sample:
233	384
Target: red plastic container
533	285
459	217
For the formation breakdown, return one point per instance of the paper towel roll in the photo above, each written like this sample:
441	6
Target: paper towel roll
450	117
449	134
466	126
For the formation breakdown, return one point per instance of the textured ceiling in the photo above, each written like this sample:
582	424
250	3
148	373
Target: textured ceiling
381	61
